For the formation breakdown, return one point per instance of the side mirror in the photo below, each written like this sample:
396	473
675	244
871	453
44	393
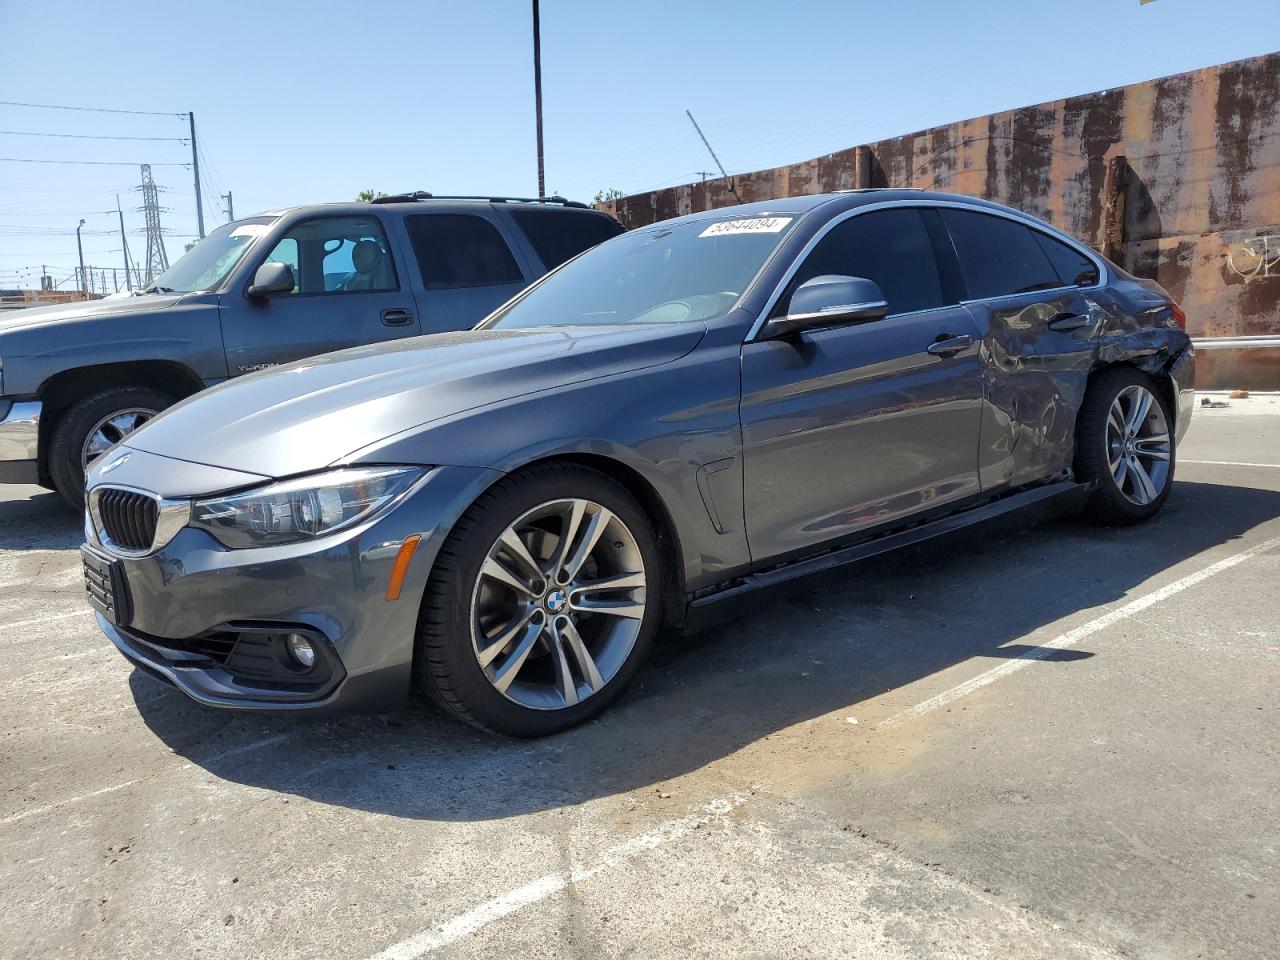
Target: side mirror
272	278
829	300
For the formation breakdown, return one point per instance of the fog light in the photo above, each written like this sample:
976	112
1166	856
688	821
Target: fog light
301	650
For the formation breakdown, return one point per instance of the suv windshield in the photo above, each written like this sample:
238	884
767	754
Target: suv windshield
206	264
662	274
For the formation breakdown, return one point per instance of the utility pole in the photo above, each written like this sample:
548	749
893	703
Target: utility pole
84	286
704	174
231	210
195	169
706	144
537	95
124	244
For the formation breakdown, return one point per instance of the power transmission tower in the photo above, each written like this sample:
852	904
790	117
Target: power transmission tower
157	259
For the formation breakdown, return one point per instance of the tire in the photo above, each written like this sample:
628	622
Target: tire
551	688
67	452
1110	451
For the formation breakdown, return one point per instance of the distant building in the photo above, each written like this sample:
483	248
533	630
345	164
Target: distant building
20	299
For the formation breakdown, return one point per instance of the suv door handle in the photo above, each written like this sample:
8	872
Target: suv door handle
397	317
946	344
1068	321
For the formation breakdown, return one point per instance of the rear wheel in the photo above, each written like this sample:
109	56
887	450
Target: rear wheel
1125	446
92	427
543	602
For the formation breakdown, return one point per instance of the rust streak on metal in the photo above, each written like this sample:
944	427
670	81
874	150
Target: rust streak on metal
1203	177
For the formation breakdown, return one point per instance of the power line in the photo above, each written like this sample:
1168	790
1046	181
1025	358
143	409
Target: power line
92	163
57	106
88	136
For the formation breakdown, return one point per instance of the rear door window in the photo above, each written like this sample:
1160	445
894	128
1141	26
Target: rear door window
460	250
891	247
560	235
999	256
1073	267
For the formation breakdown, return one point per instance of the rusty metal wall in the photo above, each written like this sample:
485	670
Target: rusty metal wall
1200	209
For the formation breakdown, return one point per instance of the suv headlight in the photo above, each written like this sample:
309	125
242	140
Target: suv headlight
304	508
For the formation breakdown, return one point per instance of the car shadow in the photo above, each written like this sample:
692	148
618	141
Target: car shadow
42	521
827	644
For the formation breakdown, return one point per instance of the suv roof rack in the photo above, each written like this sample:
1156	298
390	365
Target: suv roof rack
423	195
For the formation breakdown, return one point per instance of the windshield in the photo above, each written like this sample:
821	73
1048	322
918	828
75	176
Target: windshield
662	274
206	264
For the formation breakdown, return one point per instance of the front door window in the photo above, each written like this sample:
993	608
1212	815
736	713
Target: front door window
334	255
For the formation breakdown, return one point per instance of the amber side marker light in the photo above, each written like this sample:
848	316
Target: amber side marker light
401	566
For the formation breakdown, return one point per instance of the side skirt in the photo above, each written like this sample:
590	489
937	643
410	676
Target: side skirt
1029	506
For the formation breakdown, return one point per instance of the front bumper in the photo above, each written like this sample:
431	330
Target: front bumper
19	441
333	590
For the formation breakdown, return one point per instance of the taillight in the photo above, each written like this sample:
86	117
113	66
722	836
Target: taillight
1179	317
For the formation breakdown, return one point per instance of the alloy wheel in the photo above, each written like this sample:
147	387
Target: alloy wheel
1138	445
111	429
558	604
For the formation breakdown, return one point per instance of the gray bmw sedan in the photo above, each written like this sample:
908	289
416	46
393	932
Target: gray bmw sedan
682	415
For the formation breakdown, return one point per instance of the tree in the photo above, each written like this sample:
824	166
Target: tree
613	193
367	196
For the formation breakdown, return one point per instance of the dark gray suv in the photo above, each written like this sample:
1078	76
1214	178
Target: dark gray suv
675	418
260	292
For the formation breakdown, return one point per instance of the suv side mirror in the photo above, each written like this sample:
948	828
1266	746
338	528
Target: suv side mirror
829	300
272	278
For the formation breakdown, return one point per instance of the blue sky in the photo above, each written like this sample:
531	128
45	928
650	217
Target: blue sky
311	101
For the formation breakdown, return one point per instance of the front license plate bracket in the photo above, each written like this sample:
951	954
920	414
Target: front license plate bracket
105	587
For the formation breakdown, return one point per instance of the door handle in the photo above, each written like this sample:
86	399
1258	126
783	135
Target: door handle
1068	321
397	317
946	344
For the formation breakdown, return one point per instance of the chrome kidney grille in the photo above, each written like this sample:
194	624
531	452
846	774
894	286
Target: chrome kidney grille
128	518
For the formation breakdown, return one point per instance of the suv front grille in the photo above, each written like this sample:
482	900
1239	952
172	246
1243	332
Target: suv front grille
128	518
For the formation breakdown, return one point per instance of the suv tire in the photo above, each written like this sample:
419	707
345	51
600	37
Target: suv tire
70	435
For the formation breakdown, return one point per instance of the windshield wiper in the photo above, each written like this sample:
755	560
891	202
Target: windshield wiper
156	288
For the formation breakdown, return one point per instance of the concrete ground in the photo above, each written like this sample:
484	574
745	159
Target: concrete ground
1059	743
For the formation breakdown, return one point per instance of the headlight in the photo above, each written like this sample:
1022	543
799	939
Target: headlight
304	508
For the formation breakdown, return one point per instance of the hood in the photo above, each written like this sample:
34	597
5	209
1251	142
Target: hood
83	310
309	414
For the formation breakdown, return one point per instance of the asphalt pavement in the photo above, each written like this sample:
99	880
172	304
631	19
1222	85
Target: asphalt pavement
1060	743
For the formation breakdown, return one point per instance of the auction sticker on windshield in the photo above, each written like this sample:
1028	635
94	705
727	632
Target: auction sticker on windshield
755	225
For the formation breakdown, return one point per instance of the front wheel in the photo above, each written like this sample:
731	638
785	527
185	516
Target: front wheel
92	427
543	602
1125	447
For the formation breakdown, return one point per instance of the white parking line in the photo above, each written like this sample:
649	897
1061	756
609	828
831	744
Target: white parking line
1072	637
62	803
216	758
53	616
1232	463
505	904
242	748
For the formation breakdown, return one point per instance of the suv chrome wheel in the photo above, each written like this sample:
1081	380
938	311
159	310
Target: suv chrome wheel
1138	445
111	429
558	604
